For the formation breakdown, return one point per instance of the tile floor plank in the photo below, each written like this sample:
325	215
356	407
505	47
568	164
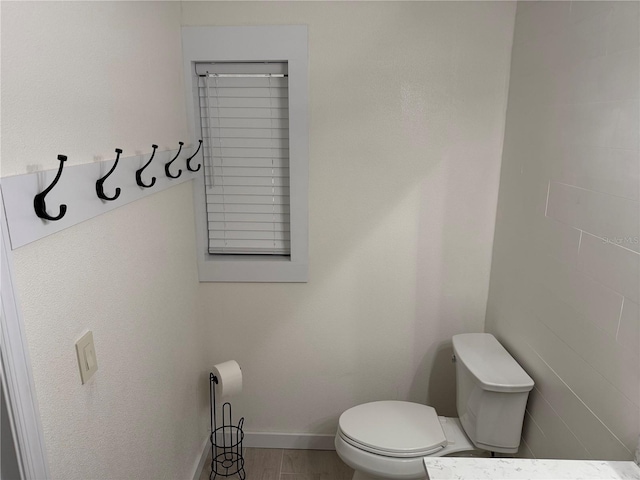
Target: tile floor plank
315	463
262	463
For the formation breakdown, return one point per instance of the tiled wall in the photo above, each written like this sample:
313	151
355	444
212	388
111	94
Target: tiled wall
565	275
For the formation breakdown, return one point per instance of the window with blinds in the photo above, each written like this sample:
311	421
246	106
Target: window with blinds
244	115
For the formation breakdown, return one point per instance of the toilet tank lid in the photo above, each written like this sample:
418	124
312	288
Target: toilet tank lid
494	368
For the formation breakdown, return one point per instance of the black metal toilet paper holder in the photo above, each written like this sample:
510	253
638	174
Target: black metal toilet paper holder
226	440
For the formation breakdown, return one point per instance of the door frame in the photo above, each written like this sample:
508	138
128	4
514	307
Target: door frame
16	373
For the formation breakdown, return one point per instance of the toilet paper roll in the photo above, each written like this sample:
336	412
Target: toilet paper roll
229	377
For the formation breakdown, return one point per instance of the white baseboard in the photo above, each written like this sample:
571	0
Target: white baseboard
293	441
206	447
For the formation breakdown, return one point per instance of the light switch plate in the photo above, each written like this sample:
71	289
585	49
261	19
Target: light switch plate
87	360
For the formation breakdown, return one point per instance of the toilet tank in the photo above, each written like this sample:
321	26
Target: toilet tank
492	391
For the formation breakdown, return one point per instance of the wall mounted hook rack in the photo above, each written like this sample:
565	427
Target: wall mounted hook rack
26	200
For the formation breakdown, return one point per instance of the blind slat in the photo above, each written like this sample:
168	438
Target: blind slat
245	82
228	171
248	226
277	143
256	247
250	182
249	102
250	162
248	200
280	123
219	132
255	190
230	112
248	217
264	92
246	152
245	235
247	208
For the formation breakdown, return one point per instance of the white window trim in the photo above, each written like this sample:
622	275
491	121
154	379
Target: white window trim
286	43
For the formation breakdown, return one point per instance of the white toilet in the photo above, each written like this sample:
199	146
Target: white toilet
388	439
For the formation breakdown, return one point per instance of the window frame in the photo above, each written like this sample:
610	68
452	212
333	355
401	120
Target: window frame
280	43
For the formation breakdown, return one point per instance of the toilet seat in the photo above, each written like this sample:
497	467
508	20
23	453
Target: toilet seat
393	429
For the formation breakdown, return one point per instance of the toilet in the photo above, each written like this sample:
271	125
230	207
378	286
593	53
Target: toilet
388	440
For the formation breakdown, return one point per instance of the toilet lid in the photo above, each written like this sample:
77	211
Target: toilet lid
393	428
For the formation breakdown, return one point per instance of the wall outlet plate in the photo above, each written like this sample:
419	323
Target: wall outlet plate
87	360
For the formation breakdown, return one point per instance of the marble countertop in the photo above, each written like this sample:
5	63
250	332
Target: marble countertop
465	468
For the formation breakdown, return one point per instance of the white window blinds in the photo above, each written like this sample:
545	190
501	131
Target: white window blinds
244	114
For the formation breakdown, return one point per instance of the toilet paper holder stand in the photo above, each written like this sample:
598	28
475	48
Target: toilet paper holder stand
226	439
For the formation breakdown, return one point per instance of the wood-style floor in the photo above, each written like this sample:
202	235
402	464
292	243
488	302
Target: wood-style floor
279	464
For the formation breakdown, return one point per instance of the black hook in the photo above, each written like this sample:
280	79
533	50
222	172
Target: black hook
38	201
167	165
139	172
100	182
189	159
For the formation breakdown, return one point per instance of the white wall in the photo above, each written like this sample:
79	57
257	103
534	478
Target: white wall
407	103
563	300
82	78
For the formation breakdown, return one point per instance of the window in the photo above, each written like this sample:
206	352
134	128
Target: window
247	99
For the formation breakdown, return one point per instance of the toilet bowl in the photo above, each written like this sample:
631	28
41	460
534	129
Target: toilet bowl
388	440
393	447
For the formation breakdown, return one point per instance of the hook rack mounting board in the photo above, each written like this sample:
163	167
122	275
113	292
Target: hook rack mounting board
77	189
